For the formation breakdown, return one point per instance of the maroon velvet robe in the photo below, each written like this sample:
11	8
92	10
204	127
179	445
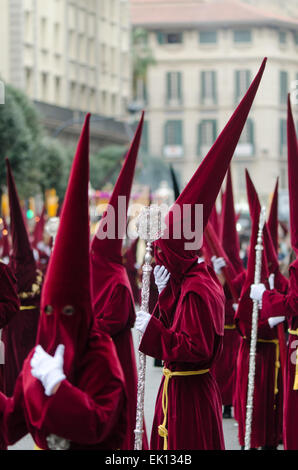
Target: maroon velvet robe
90	412
9	311
190	340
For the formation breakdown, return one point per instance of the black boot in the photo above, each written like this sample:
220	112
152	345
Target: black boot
227	412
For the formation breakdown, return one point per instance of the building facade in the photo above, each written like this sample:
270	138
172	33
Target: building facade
207	53
69	54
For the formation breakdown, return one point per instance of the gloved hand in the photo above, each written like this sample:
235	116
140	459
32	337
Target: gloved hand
218	264
235	307
48	369
142	320
273	321
271	281
257	291
162	276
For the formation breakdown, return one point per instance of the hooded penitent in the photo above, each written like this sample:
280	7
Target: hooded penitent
112	296
39	229
5	240
272	222
229	235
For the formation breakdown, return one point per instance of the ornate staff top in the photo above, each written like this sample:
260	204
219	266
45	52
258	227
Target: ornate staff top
149	223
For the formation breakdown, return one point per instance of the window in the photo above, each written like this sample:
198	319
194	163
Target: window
283	137
208	87
208	37
246	144
242	36
242	82
284	87
141	95
173	139
174	88
296	37
169	38
282	37
206	136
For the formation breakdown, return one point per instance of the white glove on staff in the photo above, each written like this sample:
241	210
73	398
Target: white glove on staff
48	369
273	321
162	276
142	320
218	264
271	281
235	307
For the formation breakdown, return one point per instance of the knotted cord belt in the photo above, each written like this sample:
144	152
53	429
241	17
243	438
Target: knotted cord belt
29	307
295	386
230	327
162	430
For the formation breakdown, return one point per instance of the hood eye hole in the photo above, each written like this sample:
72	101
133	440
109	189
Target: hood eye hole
48	310
68	310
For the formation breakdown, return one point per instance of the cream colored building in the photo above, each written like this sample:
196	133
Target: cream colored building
70	53
207	53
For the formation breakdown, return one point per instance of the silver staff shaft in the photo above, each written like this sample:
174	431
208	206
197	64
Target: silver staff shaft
254	333
149	229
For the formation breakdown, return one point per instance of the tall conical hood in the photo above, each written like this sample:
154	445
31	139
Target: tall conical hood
114	219
293	177
21	260
203	188
66	313
229	234
273	218
175	183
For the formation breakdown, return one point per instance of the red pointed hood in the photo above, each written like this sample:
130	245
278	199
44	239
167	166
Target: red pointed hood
39	229
66	313
292	176
273	218
111	248
229	234
21	260
203	188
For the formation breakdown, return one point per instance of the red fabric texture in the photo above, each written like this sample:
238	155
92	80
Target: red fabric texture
130	260
112	295
5	240
292	176
39	229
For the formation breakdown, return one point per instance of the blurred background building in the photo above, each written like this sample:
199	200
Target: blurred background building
70	56
206	54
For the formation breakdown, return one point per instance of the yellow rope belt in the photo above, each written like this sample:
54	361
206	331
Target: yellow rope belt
295	386
36	447
230	327
162	430
277	363
29	307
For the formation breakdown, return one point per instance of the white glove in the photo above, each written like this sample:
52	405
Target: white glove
257	291
142	320
162	276
235	307
271	281
273	321
48	369
218	264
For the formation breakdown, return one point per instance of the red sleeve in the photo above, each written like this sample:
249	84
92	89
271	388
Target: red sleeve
118	314
12	421
238	282
85	419
194	342
9	301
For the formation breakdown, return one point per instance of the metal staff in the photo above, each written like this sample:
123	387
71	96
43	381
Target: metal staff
149	229
254	332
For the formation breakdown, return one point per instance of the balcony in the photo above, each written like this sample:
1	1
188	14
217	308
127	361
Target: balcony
244	150
173	151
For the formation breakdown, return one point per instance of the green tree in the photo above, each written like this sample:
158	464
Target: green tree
142	56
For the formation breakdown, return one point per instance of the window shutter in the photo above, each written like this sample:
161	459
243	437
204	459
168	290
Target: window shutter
203	86
169	91
237	85
160	37
214	87
179	79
